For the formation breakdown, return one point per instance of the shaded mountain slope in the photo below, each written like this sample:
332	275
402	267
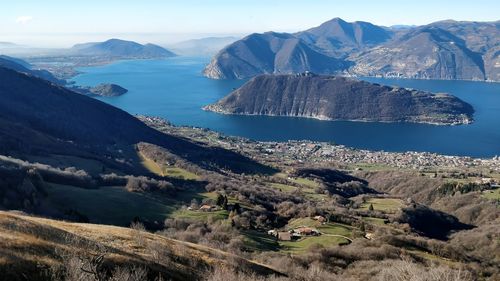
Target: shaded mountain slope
428	52
20	65
338	37
440	50
337	98
36	113
269	53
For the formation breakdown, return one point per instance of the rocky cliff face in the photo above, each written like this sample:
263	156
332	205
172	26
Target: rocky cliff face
338	98
441	50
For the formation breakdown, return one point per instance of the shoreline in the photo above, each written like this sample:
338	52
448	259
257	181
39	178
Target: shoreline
322	151
216	109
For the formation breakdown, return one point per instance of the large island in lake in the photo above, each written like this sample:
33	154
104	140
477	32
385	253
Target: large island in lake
340	98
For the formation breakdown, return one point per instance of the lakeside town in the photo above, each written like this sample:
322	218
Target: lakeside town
294	151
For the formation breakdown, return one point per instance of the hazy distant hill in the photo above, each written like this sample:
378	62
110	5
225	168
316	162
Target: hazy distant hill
8	45
24	67
121	48
203	46
441	50
338	98
269	53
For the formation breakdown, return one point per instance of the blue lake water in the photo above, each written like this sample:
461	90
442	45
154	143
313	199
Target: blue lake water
175	90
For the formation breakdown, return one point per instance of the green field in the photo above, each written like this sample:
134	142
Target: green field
302	245
327	228
307	187
305	182
200	215
160	170
109	205
283	187
376	221
179	173
387	205
492	194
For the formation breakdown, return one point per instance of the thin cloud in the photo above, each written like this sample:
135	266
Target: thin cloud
24	19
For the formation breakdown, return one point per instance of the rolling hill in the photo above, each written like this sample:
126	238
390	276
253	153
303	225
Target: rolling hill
29	243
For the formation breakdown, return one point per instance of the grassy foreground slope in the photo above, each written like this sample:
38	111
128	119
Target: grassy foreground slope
30	243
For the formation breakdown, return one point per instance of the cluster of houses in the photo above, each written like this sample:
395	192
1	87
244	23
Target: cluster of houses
299	232
294	234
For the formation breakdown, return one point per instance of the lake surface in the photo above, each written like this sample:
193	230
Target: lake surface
175	90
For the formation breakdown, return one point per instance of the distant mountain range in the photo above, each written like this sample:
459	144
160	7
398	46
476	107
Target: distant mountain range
120	48
8	45
204	46
339	98
441	50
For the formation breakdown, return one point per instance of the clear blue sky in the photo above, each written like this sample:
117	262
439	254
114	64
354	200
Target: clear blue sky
63	22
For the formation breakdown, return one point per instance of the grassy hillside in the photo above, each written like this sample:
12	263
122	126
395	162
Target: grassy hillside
28	243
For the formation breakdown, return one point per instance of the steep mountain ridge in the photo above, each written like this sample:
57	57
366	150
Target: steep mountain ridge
269	53
338	37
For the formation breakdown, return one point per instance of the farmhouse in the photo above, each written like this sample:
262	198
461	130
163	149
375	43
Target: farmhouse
284	236
306	231
321	219
206	208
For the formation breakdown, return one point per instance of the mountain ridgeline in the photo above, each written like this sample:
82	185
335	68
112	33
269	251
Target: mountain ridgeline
338	98
440	50
270	53
120	48
22	66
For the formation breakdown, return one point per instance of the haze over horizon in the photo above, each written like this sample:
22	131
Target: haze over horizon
56	23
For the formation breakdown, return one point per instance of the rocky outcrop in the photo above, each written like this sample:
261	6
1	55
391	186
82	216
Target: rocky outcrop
338	98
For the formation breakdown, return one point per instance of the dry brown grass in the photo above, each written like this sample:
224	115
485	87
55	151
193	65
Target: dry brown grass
30	243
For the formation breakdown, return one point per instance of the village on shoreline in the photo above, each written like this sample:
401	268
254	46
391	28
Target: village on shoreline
325	152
